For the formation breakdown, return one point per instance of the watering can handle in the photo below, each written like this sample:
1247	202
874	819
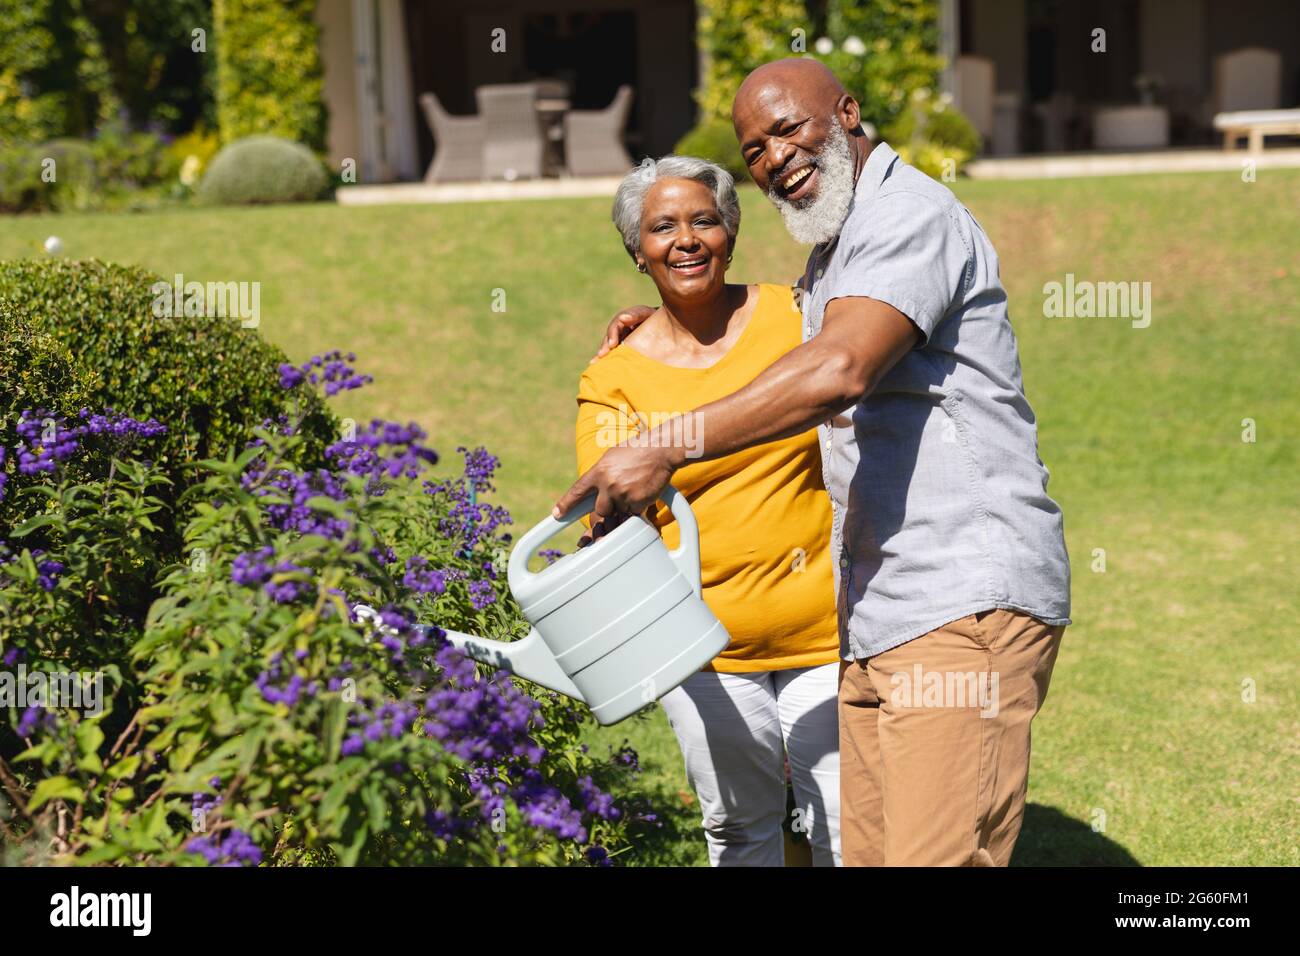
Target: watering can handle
686	556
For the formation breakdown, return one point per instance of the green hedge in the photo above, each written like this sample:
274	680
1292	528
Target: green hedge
736	36
269	73
882	50
28	113
263	169
206	378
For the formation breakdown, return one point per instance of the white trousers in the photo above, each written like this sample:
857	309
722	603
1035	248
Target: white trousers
734	730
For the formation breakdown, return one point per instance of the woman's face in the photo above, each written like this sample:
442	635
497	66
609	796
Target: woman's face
683	241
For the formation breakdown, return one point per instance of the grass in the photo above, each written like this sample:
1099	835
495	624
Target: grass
1170	733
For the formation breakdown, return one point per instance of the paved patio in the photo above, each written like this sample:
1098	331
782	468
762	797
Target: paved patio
389	193
1010	167
1065	165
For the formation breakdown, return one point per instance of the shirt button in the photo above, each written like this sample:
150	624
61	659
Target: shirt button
844	562
819	273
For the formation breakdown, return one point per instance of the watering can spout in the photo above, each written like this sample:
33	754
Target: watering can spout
530	659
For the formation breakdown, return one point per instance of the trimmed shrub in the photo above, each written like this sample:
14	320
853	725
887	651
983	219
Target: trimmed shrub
269	73
933	135
208	380
715	140
37	370
263	169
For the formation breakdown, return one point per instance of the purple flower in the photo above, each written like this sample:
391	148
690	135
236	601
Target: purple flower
383	450
468	520
237	849
334	369
423	579
47	439
290	376
34	718
481	594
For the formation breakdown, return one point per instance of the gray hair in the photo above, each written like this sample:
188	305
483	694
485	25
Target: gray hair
632	190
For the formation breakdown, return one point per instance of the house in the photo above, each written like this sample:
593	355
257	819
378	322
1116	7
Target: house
379	55
1035	75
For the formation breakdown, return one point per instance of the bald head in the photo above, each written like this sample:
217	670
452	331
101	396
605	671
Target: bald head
810	82
785	114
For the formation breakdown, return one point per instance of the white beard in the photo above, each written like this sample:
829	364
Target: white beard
820	219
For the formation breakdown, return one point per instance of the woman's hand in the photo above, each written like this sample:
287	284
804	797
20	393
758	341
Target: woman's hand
621	326
601	528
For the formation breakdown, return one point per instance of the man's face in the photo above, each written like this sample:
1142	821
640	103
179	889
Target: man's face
799	155
780	134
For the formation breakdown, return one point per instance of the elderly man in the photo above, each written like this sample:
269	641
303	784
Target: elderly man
952	575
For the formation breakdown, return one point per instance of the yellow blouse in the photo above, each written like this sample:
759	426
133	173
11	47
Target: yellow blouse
764	515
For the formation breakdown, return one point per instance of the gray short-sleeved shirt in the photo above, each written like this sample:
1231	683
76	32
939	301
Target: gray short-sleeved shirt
939	497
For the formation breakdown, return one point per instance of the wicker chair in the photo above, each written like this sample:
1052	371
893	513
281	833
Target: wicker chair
458	142
514	143
593	138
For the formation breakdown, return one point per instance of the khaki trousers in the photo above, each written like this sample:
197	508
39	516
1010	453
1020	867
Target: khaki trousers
934	742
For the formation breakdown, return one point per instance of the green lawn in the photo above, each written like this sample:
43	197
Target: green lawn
1146	727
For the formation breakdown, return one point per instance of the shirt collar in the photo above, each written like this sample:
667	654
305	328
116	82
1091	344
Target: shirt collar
878	165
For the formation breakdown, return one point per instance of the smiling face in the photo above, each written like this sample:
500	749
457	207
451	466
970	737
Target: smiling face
684	244
791	119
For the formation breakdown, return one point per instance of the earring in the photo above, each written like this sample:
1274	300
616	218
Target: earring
640	267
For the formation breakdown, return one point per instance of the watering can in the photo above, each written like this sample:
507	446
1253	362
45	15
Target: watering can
617	624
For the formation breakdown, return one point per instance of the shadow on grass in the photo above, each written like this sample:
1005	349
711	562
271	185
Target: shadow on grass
1050	838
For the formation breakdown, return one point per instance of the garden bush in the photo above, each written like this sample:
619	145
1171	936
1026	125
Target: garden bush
128	160
715	140
253	718
209	380
21	186
263	169
269	73
192	153
76	177
933	135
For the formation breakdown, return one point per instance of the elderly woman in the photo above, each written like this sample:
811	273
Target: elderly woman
763	514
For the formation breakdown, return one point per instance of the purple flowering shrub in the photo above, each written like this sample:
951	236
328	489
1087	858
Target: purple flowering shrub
255	717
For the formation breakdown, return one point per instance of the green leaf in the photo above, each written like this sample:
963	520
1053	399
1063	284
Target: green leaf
126	767
89	737
31	524
104	854
54	788
333	725
377	806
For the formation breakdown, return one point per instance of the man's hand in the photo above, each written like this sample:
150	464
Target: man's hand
627	480
621	326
